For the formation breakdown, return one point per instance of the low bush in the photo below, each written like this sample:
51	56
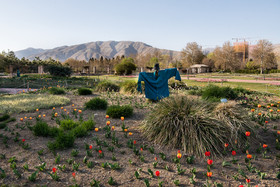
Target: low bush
104	86
41	128
84	91
96	104
117	111
56	91
68	124
79	131
62	141
213	91
191	125
128	87
177	85
89	124
4	117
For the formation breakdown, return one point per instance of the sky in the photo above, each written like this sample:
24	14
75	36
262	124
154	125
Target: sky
165	24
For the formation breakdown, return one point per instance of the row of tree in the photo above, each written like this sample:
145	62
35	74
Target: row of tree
227	58
222	58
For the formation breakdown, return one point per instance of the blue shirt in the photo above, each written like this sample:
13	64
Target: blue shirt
156	87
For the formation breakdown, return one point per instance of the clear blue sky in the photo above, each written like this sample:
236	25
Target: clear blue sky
167	24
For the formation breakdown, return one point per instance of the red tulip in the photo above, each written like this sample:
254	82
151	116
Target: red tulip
134	142
157	173
209	162
90	147
248	180
247	133
155	158
207	153
226	144
179	155
266	122
233	153
100	152
74	174
264	146
241	186
54	170
179	151
141	149
23	140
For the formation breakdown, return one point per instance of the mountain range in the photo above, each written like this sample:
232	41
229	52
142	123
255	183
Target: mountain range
107	49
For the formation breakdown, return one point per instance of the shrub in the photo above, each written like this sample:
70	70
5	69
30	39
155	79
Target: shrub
79	131
128	87
96	104
56	91
213	91
104	86
125	67
182	123
41	128
117	111
4	117
84	91
89	124
63	140
68	124
57	70
178	85
54	131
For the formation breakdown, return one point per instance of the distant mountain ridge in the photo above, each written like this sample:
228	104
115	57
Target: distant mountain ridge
107	49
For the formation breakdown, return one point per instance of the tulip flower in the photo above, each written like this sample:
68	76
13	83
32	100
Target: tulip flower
157	173
264	146
259	114
249	156
80	111
75	109
134	142
90	147
39	116
209	174
107	116
113	128
130	133
270	110
141	149
65	110
248	180
21	119
100	152
247	133
278	132
179	155
53	108
55	114
207	153
155	158
209	162
74	174
23	140
259	106
25	117
61	108
266	122
73	105
96	129
122	118
233	153
53	170
37	110
30	118
108	123
44	115
125	130
226	145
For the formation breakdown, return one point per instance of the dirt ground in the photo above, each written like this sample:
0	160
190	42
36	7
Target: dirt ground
129	163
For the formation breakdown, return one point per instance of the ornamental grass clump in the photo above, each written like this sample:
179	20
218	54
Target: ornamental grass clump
105	86
129	87
235	120
84	91
190	124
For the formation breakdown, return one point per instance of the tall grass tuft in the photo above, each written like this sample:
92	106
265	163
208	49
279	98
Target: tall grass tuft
105	86
129	87
190	125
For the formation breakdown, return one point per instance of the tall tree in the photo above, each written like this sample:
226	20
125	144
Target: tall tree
225	58
263	54
192	54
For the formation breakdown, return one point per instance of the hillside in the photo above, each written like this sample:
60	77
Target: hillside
107	49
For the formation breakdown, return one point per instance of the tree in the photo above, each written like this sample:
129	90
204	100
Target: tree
225	58
263	54
192	54
125	67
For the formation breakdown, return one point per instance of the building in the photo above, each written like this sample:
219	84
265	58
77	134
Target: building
199	68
